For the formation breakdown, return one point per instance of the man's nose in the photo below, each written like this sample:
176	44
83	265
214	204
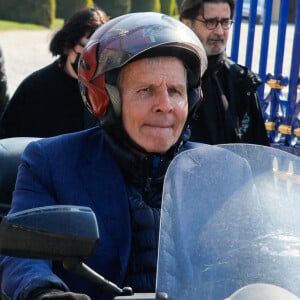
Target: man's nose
163	101
219	29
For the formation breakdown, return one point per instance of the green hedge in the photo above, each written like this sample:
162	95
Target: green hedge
114	8
44	12
179	3
28	11
66	8
169	7
145	5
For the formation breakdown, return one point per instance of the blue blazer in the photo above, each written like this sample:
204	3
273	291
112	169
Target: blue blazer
74	169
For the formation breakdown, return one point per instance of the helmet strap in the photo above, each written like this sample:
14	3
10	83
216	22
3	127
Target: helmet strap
114	96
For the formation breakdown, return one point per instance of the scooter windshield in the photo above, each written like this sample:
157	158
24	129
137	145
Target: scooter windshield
230	217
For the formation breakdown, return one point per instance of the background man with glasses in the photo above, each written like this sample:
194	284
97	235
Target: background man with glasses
230	111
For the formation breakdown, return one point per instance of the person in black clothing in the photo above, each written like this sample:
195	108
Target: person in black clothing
3	85
230	112
48	101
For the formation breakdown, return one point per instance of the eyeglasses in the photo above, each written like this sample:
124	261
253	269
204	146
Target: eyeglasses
212	24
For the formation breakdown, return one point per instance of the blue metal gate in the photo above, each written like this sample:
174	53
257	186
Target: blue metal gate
281	113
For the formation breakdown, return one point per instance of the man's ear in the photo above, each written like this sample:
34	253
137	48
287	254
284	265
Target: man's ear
187	22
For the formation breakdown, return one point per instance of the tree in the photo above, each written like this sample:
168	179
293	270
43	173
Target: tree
145	5
28	11
169	7
66	8
114	8
179	3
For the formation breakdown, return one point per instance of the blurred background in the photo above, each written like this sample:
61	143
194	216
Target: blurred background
265	37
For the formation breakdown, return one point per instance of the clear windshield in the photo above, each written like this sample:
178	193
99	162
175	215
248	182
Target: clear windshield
230	217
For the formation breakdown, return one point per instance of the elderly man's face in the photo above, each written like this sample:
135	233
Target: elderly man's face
154	101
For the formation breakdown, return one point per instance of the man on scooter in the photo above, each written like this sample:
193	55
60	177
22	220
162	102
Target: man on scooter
140	75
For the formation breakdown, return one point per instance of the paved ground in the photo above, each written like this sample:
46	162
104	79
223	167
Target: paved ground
26	51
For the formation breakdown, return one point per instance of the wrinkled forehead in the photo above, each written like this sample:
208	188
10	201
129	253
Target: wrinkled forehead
157	67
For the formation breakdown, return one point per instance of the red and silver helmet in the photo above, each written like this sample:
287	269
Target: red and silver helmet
128	37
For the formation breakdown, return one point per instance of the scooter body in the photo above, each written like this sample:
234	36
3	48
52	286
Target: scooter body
230	228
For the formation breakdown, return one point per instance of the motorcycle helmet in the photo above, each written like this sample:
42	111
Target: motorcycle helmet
127	38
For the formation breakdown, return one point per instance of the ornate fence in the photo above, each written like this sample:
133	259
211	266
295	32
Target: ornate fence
281	110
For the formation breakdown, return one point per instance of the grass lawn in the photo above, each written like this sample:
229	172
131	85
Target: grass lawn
9	25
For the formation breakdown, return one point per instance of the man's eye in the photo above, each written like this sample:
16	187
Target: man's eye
144	91
175	92
211	23
225	22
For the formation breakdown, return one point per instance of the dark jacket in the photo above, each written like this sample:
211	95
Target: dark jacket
46	103
83	169
230	111
3	85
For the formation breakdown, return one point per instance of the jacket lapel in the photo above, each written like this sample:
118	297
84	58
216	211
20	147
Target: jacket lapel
106	191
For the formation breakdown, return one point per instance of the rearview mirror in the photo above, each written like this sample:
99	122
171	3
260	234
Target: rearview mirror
50	232
61	232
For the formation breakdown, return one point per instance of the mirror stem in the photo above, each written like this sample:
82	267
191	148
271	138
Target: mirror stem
76	266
